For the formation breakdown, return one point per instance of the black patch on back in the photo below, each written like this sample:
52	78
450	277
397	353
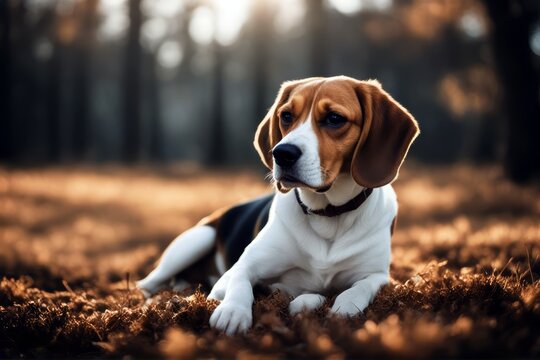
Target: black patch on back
239	225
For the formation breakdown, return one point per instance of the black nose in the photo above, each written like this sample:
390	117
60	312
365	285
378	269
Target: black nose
286	155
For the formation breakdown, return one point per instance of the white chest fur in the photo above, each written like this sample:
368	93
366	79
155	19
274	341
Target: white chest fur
335	252
331	228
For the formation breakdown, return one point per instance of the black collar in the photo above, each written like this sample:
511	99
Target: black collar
331	210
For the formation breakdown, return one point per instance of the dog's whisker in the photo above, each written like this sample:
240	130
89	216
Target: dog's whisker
270	177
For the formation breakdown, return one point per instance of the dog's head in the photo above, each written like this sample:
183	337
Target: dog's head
318	128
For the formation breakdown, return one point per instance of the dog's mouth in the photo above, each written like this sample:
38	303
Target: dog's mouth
324	188
289	181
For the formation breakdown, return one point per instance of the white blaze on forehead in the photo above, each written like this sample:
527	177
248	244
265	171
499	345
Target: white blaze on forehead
308	167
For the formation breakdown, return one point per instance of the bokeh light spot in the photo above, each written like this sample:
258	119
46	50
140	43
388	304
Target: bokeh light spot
231	17
535	40
43	50
471	24
289	15
201	26
170	54
114	19
153	31
347	7
351	7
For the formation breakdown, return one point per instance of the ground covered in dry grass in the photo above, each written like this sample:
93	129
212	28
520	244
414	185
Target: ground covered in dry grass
72	241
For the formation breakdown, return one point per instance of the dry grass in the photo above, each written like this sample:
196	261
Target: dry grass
465	269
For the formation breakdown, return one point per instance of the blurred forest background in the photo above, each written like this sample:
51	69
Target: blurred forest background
161	80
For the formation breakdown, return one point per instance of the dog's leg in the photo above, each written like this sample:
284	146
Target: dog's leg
355	299
265	257
184	251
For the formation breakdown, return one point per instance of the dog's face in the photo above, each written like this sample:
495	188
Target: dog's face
321	127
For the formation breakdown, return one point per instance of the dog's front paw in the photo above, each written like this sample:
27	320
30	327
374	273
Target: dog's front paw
148	288
305	302
231	318
346	305
345	309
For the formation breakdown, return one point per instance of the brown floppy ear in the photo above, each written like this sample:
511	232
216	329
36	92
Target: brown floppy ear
268	133
388	130
262	142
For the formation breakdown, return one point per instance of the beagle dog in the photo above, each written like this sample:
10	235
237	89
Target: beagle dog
333	146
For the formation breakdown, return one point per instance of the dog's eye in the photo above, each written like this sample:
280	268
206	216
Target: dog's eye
333	120
286	118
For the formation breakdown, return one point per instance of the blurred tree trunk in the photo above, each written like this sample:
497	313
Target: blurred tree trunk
262	35
24	82
131	86
6	128
185	72
84	45
156	129
216	150
54	85
512	25
317	33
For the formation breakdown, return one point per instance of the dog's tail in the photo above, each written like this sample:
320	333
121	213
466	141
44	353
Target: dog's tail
184	251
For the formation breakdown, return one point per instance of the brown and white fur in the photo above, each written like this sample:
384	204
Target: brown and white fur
349	135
